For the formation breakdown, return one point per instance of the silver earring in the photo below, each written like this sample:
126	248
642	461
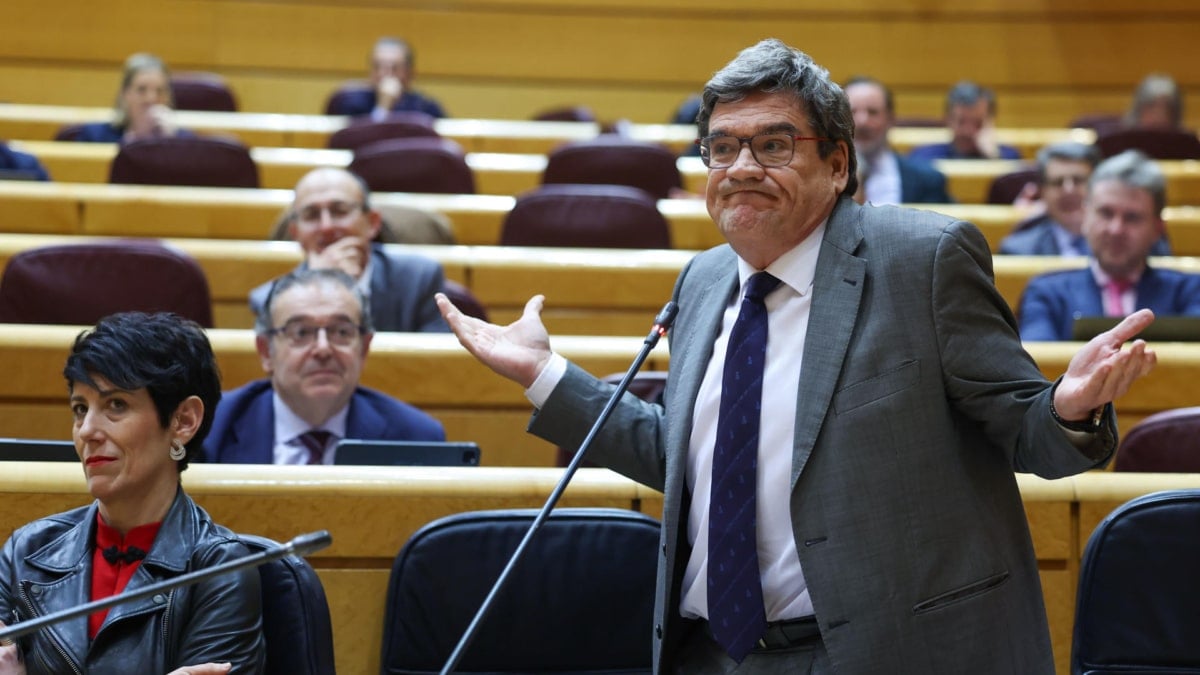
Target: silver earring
178	452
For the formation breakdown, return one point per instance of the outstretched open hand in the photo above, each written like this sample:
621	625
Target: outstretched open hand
1103	370
517	351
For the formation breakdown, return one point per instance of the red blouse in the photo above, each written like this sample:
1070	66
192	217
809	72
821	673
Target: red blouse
113	562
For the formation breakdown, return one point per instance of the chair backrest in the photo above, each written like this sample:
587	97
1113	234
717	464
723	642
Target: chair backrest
396	125
600	216
78	284
1167	442
69	132
202	91
436	165
349	90
579	113
1098	122
583	593
615	160
464	299
648	385
204	162
1005	187
296	625
1156	143
1136	606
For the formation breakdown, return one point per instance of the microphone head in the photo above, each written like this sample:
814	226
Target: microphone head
666	316
312	542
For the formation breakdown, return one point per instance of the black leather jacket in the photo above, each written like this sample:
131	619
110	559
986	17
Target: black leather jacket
46	567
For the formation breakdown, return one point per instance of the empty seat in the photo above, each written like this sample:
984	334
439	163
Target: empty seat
1155	143
197	161
1098	122
202	91
397	125
296	625
580	601
1167	441
579	113
603	216
1135	611
614	160
1006	187
78	284
436	165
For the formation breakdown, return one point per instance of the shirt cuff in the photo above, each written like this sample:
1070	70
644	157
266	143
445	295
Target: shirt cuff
547	380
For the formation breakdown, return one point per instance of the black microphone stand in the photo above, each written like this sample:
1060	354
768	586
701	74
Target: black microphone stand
662	323
301	546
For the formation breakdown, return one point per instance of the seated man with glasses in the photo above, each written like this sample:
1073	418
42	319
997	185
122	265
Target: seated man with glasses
332	220
312	335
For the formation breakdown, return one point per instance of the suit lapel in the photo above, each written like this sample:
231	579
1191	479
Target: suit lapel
254	440
837	291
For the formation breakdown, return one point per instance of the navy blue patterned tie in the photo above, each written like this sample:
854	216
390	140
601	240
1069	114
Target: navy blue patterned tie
314	440
735	603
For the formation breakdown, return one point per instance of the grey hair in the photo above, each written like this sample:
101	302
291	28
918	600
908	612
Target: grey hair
393	41
312	277
1066	151
1153	87
1135	170
773	67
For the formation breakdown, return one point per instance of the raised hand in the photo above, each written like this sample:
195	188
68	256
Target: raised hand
203	669
517	351
1104	369
349	254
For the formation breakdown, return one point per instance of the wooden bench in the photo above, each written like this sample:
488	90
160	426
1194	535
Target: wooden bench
371	513
28	122
235	213
437	375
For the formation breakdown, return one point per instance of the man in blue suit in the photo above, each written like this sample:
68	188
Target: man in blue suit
1122	222
888	177
970	118
20	165
312	336
391	85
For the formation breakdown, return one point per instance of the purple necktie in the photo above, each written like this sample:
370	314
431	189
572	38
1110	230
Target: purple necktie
314	441
735	603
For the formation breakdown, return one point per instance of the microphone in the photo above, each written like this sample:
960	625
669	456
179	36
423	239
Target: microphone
662	324
301	546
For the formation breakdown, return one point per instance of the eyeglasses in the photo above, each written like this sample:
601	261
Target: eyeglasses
339	332
769	150
1060	181
311	215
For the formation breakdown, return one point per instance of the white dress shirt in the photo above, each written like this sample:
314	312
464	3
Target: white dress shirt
883	179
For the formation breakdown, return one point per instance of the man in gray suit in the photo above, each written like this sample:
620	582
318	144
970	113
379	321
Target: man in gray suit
888	533
333	221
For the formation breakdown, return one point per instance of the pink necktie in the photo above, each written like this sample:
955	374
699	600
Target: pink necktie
1114	304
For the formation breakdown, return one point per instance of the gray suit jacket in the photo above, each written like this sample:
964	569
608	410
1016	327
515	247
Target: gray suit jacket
917	403
402	288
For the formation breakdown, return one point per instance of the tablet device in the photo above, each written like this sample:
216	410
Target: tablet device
1164	328
359	452
37	450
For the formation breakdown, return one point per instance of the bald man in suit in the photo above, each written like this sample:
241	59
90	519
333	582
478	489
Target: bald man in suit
897	401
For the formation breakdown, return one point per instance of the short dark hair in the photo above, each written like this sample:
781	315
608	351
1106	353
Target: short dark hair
773	67
969	93
1066	151
889	101
312	277
165	353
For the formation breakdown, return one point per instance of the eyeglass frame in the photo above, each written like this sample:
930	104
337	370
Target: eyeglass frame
748	141
360	329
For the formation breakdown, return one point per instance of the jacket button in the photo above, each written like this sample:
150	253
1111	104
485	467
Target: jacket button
36	590
159	599
658	631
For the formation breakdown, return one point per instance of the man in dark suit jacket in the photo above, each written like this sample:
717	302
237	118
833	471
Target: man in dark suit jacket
391	86
1122	222
335	225
888	532
312	336
970	119
21	164
888	178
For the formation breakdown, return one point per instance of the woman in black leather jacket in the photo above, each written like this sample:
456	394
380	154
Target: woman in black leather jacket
142	390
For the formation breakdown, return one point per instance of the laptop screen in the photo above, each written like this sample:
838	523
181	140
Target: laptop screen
359	452
36	450
1164	328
